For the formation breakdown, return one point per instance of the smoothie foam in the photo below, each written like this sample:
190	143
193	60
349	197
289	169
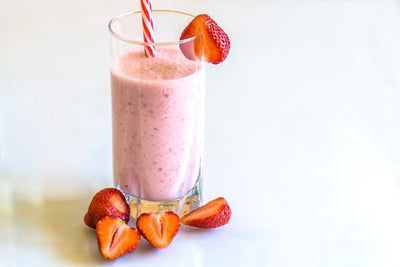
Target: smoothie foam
158	115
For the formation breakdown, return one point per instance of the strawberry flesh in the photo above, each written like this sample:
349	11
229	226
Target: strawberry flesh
214	214
158	228
107	202
115	238
211	43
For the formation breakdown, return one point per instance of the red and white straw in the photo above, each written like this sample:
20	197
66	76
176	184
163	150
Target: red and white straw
148	28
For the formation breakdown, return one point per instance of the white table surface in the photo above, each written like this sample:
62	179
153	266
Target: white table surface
303	134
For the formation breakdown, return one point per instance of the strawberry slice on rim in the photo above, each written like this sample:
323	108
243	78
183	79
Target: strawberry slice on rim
158	228
211	43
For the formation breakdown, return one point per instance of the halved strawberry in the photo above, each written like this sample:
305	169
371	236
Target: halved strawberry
158	228
107	202
115	238
214	214
211	44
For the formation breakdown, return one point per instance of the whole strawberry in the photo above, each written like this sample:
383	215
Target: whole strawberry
107	202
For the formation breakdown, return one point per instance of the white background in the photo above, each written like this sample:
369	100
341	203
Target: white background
303	134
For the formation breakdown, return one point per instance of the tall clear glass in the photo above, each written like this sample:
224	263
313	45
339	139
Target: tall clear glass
157	114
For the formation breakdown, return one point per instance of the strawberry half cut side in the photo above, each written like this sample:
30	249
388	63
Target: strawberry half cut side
158	228
115	238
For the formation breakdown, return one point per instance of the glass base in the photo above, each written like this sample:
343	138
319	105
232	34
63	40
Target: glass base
180	206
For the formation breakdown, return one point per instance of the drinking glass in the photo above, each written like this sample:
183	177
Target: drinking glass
157	114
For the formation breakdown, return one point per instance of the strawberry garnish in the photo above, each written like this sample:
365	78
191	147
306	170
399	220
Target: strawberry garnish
211	44
107	202
214	214
158	228
115	238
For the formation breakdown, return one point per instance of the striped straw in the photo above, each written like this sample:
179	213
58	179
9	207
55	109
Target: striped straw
148	28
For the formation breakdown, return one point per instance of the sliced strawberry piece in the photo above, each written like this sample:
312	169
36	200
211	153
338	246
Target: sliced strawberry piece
107	202
214	214
115	238
158	228
211	44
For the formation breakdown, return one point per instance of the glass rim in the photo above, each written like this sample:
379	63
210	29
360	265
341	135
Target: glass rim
136	42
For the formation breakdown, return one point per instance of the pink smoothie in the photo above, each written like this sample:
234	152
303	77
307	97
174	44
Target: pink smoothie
158	117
